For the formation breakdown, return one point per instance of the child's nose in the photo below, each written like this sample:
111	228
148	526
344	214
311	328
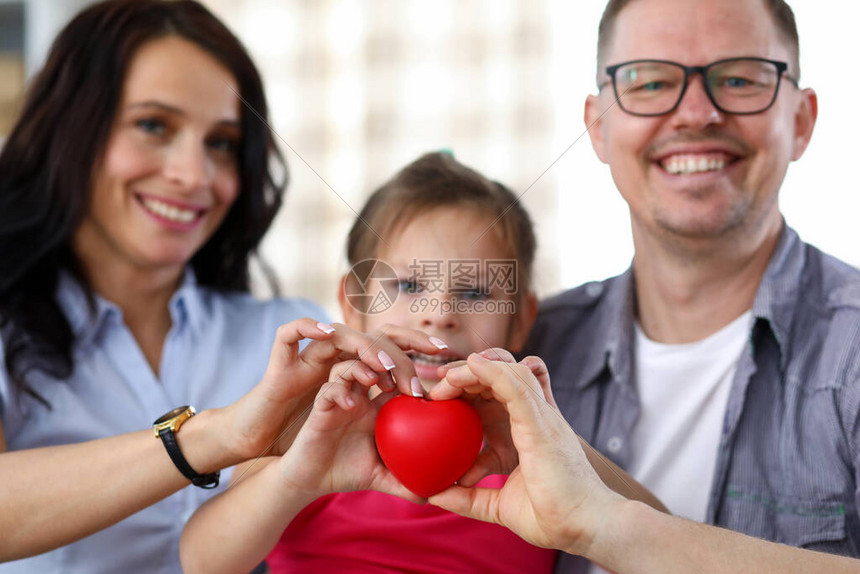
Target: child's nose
443	316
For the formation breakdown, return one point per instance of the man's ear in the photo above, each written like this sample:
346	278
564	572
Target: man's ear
594	124
804	122
351	316
523	322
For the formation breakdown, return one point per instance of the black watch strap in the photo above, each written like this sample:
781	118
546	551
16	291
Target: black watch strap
202	480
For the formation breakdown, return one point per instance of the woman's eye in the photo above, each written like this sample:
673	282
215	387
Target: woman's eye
409	286
151	126
225	145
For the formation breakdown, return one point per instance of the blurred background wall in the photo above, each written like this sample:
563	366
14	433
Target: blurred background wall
359	88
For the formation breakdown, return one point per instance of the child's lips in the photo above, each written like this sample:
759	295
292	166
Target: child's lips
426	366
438	359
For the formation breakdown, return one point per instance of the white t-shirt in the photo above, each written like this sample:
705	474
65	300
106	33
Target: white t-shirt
683	390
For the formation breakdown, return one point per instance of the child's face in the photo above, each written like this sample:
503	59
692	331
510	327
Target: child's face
445	290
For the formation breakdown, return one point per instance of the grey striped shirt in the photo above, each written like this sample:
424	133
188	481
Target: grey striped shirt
787	464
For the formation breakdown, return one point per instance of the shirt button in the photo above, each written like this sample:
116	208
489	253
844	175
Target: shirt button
614	444
594	289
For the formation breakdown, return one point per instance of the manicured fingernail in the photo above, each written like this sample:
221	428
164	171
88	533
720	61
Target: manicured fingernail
417	389
386	361
439	343
325	328
350	402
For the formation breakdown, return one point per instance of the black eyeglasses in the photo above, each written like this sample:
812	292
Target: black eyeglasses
735	86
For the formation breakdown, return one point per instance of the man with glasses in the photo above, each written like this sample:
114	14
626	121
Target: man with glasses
723	369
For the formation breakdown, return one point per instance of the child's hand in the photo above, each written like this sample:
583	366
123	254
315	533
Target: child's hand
335	451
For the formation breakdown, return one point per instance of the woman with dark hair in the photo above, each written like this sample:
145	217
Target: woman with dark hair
134	188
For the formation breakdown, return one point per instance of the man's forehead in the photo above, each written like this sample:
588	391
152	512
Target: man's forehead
694	31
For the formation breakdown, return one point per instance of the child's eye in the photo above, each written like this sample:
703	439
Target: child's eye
409	286
475	294
152	126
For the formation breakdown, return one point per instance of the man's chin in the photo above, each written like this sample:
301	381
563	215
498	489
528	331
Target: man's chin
715	223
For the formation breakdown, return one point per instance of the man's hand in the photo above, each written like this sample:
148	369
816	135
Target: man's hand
553	498
498	455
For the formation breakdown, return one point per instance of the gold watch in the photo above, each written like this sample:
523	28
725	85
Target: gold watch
164	428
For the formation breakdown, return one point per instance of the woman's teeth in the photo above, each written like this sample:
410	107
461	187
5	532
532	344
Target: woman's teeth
685	164
170	212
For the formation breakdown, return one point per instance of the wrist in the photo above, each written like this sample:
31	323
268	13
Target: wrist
204	444
302	488
619	532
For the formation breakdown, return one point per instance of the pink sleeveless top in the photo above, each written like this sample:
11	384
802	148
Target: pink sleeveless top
370	532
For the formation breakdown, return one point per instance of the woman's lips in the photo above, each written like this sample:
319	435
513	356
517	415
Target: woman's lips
171	214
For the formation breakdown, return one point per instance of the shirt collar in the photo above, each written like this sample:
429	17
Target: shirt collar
86	320
613	331
776	298
187	306
774	303
86	316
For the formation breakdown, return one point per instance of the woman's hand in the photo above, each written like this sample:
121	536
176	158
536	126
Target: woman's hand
266	419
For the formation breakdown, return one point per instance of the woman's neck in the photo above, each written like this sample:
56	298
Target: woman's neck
144	297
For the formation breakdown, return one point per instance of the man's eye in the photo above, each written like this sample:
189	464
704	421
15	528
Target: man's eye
653	86
737	82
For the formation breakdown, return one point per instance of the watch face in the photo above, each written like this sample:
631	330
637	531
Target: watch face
174	413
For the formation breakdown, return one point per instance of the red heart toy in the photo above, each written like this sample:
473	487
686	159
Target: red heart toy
428	445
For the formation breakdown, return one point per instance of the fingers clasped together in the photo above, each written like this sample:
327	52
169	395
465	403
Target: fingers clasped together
525	436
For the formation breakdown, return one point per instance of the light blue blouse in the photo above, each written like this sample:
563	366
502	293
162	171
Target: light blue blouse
216	351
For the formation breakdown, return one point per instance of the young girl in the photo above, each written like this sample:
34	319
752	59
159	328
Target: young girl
462	248
459	249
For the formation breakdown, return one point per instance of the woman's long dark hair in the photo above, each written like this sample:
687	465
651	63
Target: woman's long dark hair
47	163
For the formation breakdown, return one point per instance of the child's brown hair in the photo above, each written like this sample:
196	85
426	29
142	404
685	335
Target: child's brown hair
438	180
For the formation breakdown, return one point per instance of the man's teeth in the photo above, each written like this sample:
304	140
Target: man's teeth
431	359
685	164
170	212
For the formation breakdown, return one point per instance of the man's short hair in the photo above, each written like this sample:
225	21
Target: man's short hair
783	17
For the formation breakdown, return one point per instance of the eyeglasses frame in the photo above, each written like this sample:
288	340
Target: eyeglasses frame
781	68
